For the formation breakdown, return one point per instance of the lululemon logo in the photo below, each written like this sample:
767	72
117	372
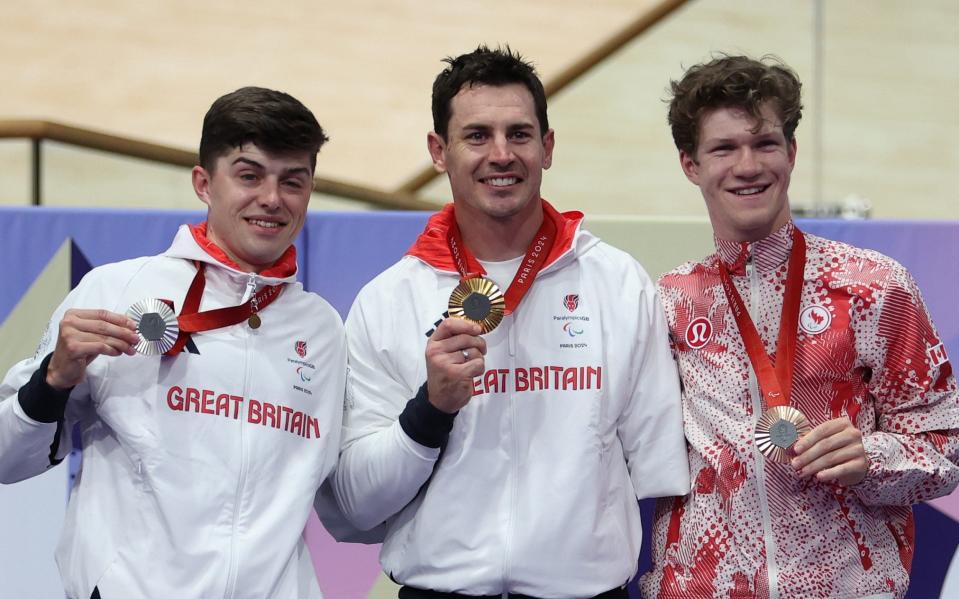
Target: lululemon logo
814	320
699	332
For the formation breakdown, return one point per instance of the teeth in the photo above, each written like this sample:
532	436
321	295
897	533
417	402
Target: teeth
264	223
748	192
502	181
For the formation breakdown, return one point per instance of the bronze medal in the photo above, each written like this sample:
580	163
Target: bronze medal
254	321
156	326
479	300
777	430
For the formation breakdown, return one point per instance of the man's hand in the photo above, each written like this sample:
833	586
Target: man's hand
454	355
833	451
84	335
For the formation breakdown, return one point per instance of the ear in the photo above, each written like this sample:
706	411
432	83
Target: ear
201	184
791	153
690	167
437	149
549	140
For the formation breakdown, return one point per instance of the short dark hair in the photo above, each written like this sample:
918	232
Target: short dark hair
483	66
275	121
733	82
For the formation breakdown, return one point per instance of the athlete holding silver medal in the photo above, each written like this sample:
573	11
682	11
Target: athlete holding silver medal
200	456
818	401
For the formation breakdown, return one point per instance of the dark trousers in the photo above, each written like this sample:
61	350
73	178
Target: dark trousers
414	593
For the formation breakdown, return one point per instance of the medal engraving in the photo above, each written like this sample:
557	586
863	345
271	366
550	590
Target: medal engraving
783	434
152	327
156	326
476	306
777	430
479	300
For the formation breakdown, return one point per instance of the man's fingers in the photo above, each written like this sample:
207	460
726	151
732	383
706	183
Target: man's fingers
450	350
101	323
830	459
451	327
846	473
814	452
121	320
826	429
88	347
473	367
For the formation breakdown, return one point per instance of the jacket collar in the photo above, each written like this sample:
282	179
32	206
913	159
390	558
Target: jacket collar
432	248
191	243
768	253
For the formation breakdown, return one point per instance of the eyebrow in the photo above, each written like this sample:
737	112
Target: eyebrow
513	127
734	139
244	160
295	170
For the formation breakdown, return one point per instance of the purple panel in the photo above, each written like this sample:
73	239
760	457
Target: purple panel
346	250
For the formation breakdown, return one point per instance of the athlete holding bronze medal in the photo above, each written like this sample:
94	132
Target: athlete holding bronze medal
818	401
515	468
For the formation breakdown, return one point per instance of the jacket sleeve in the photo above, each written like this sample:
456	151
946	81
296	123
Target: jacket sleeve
35	419
914	452
381	467
651	425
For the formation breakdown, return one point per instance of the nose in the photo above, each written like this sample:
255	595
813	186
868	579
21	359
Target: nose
747	165
501	153
270	197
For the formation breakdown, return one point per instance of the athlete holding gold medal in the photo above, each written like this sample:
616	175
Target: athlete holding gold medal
818	401
504	449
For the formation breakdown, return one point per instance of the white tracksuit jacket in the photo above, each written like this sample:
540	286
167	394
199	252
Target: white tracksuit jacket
577	416
198	470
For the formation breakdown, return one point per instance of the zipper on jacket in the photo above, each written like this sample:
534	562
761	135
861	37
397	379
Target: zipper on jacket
513	481
250	288
232	572
772	568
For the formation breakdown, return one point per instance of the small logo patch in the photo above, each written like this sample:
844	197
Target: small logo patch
814	320
699	332
937	355
301	348
571	302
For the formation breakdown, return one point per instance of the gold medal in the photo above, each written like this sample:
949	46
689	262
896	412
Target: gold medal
156	326
480	300
777	430
254	321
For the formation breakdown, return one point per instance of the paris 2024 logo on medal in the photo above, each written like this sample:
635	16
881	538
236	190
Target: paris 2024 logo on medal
699	332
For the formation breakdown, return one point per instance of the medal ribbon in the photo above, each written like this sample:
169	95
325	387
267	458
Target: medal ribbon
191	320
469	267
775	382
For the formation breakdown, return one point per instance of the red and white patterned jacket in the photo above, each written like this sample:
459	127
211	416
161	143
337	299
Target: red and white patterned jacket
866	349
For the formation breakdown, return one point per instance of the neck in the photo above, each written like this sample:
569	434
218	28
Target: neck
495	240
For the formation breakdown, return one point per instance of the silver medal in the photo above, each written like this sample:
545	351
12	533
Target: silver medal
156	326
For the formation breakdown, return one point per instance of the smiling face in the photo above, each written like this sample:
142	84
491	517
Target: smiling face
743	174
495	153
257	203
